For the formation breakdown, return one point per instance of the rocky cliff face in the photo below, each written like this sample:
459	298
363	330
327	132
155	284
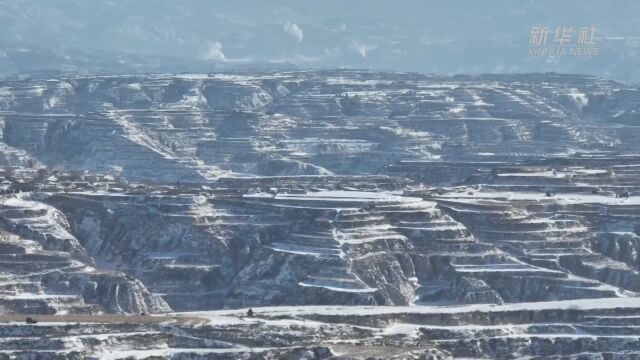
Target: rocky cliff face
48	271
157	193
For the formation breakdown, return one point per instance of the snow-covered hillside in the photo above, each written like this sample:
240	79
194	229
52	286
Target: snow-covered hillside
388	214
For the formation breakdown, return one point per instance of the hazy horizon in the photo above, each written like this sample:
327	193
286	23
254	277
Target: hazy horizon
444	38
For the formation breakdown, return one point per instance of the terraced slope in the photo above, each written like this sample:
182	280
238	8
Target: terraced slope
201	127
476	216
